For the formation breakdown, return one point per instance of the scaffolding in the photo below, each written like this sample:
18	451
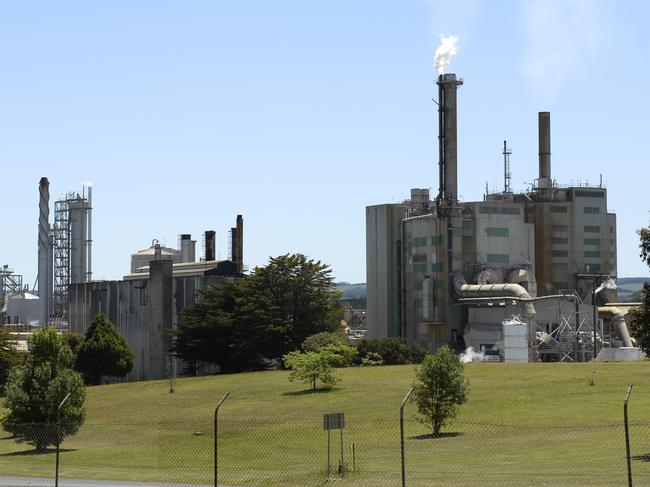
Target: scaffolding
10	284
61	244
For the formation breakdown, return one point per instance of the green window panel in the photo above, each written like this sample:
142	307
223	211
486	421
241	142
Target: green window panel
595	254
592	229
530	209
559	240
591	210
498	258
592	268
558	209
559	253
498	210
419	258
611	229
561	285
468	232
559	228
436	240
457	232
418	302
420	242
497	232
419	267
592	241
436	267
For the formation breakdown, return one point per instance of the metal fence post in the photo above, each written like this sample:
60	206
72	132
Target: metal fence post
627	437
401	433
216	436
58	439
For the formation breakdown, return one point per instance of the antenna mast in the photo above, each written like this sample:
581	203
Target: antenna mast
506	168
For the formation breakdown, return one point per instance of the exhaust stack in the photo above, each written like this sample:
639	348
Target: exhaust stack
44	251
544	125
447	138
210	245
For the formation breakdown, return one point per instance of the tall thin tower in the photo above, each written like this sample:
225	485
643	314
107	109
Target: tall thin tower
507	188
44	251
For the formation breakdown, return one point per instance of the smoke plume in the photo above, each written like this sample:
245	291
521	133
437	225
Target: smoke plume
607	284
446	50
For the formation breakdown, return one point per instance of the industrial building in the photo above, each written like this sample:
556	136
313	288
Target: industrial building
441	271
147	304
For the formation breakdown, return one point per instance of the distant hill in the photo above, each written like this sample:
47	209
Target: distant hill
352	291
629	288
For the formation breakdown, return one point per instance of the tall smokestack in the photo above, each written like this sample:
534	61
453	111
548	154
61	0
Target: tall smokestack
210	245
544	125
447	138
237	238
44	251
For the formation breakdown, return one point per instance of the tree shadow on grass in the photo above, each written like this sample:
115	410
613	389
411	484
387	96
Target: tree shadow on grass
643	458
432	436
47	451
306	392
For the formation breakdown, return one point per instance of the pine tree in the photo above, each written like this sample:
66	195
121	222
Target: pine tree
103	352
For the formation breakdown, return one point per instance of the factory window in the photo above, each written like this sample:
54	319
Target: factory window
468	232
419	267
498	259
419	258
611	229
559	228
436	240
592	229
530	209
592	241
595	254
560	285
611	254
559	253
418	302
590	194
436	267
457	232
591	210
498	210
559	240
592	268
558	209
420	242
497	232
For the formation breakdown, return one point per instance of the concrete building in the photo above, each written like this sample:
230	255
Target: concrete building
447	272
146	306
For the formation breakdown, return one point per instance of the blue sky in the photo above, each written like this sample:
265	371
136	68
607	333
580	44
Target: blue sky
299	114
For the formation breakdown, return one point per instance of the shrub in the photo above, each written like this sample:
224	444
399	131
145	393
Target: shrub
315	342
393	351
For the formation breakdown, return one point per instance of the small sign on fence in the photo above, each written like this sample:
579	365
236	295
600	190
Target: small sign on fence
334	421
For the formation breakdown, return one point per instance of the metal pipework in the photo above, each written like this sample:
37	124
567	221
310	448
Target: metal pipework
44	250
447	137
544	129
516	291
210	245
618	320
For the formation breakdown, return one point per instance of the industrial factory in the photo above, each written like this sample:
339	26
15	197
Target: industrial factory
144	306
524	276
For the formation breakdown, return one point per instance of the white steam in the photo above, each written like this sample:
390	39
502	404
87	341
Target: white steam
446	50
607	284
469	355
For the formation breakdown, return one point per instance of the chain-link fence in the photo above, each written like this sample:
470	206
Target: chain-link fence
280	453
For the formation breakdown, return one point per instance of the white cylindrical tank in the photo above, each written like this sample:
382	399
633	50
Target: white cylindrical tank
79	212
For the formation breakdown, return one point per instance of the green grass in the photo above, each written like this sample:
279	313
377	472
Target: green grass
528	424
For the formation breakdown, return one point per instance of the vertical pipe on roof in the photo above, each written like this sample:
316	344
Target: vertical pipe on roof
544	129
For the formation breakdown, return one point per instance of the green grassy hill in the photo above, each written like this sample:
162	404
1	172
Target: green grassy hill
528	424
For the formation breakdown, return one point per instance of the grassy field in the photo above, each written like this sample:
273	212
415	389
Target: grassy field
528	424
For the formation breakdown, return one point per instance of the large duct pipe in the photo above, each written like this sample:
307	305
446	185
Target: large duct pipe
210	245
616	316
544	126
447	135
493	290
89	246
44	250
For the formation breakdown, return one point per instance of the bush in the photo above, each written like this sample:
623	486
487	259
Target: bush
341	355
314	343
393	351
310	367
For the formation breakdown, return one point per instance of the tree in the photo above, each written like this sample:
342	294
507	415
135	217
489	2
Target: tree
103	352
242	325
9	356
639	320
313	343
392	350
644	245
210	331
36	388
439	388
310	367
